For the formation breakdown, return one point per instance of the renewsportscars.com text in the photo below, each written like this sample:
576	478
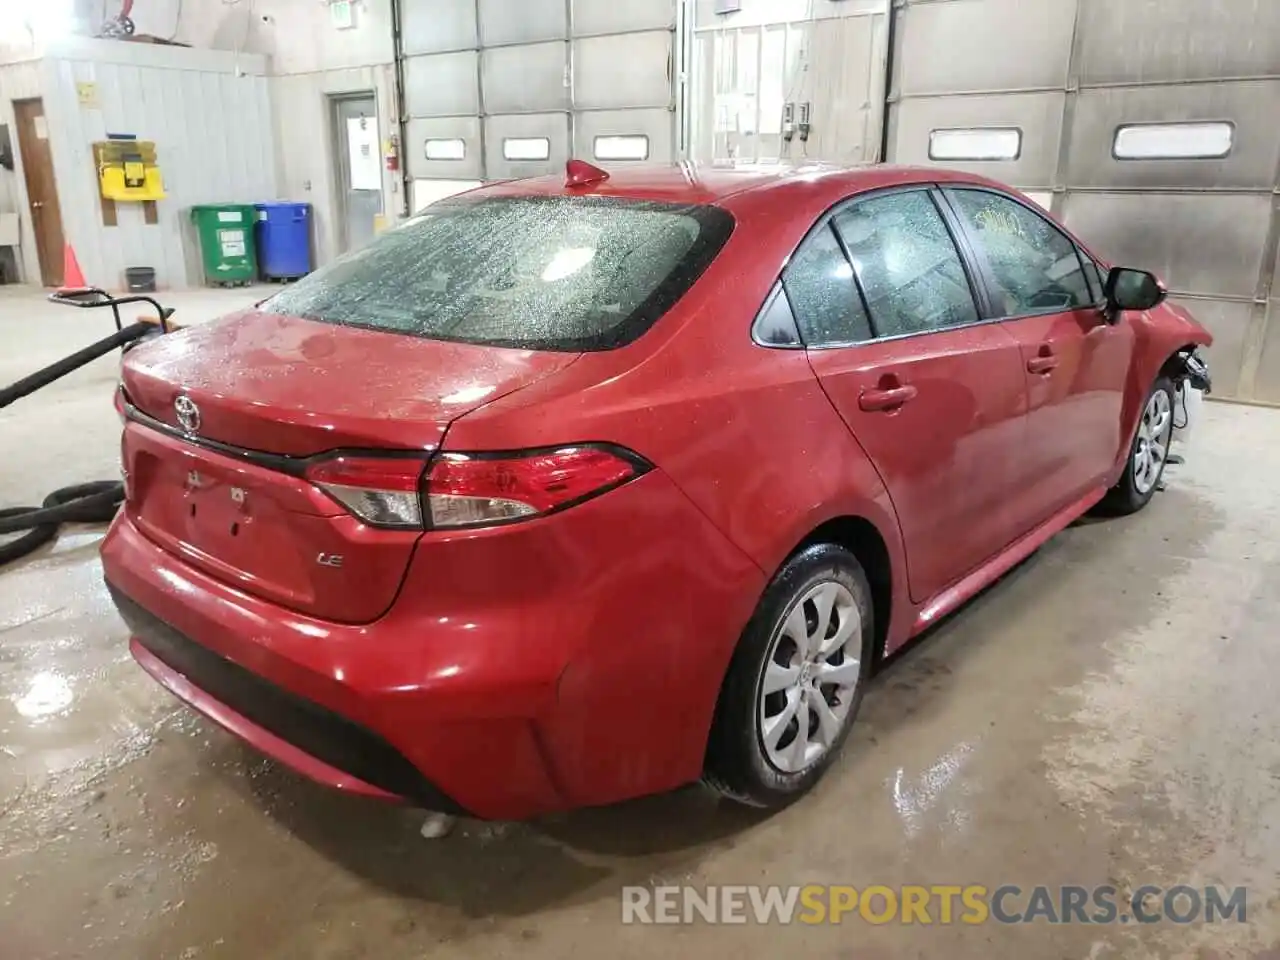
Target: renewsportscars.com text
936	904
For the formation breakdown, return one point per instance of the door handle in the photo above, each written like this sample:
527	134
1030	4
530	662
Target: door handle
886	399
1042	364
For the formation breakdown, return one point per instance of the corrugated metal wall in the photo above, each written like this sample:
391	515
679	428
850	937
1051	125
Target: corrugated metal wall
1068	74
512	88
210	117
18	81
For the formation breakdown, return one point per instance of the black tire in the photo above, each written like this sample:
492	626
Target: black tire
1125	497
737	764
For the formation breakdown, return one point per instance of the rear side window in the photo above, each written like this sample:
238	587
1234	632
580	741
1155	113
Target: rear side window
907	263
1034	264
819	281
539	273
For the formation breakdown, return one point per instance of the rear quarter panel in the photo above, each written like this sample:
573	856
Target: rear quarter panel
744	431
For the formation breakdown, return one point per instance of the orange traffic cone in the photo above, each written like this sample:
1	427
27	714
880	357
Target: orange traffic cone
72	277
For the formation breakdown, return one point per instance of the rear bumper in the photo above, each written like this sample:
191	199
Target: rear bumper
566	662
301	734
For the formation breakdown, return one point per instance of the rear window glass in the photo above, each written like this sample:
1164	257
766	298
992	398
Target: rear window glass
541	273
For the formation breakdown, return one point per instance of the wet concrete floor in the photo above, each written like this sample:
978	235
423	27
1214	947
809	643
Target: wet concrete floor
1106	714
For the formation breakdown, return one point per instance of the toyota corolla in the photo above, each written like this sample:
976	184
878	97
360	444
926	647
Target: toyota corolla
580	488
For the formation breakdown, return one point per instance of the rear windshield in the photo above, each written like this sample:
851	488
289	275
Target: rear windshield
541	273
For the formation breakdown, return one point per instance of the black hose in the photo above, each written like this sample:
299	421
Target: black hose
44	377
95	502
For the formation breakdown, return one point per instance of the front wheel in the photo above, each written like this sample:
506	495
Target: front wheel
795	682
1148	454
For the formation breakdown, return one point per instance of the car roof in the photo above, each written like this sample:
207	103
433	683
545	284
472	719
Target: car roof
689	182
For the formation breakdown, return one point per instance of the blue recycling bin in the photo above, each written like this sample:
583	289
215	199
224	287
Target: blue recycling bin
284	240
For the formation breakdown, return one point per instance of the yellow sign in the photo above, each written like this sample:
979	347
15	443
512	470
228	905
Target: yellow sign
87	93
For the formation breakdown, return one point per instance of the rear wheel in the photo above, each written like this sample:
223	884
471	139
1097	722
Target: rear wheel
1148	454
795	682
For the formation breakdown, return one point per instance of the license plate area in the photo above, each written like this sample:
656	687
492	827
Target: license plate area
225	518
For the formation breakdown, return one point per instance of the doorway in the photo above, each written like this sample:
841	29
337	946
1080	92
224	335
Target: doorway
42	189
358	168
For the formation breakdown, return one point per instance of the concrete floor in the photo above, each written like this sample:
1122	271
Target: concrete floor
1105	714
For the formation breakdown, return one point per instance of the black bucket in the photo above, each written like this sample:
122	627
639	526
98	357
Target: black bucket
140	279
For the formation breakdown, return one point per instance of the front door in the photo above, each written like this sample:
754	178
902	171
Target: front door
935	397
1076	363
358	169
42	190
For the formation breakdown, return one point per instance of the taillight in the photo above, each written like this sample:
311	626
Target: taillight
467	490
381	491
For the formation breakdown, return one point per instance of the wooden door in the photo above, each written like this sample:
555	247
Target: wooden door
42	189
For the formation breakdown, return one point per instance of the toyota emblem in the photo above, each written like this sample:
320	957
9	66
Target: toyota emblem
188	413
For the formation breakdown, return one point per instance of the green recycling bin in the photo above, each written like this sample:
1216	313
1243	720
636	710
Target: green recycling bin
226	243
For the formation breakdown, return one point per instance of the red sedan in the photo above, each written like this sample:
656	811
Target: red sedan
576	489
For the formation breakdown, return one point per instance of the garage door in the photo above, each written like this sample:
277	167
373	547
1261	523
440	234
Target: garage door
512	88
786	80
1152	134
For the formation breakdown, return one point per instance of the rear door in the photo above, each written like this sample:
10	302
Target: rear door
935	396
1076	363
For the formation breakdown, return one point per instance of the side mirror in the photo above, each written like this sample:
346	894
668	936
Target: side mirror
1130	289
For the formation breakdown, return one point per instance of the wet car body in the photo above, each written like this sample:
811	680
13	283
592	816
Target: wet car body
574	655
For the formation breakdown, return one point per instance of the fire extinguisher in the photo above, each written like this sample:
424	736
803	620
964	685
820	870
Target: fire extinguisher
392	153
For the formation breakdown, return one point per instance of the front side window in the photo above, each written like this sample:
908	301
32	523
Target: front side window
907	264
819	282
1032	263
538	273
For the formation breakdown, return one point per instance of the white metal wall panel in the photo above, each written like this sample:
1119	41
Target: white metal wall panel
1037	115
747	67
19	81
592	17
301	106
1197	243
1229	324
525	79
1267	378
961	46
624	70
845	85
1134	41
656	125
214	137
437	26
497	129
1253	107
466	129
441	85
754	13
522	21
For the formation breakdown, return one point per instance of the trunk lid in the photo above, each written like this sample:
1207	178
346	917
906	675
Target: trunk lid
222	486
